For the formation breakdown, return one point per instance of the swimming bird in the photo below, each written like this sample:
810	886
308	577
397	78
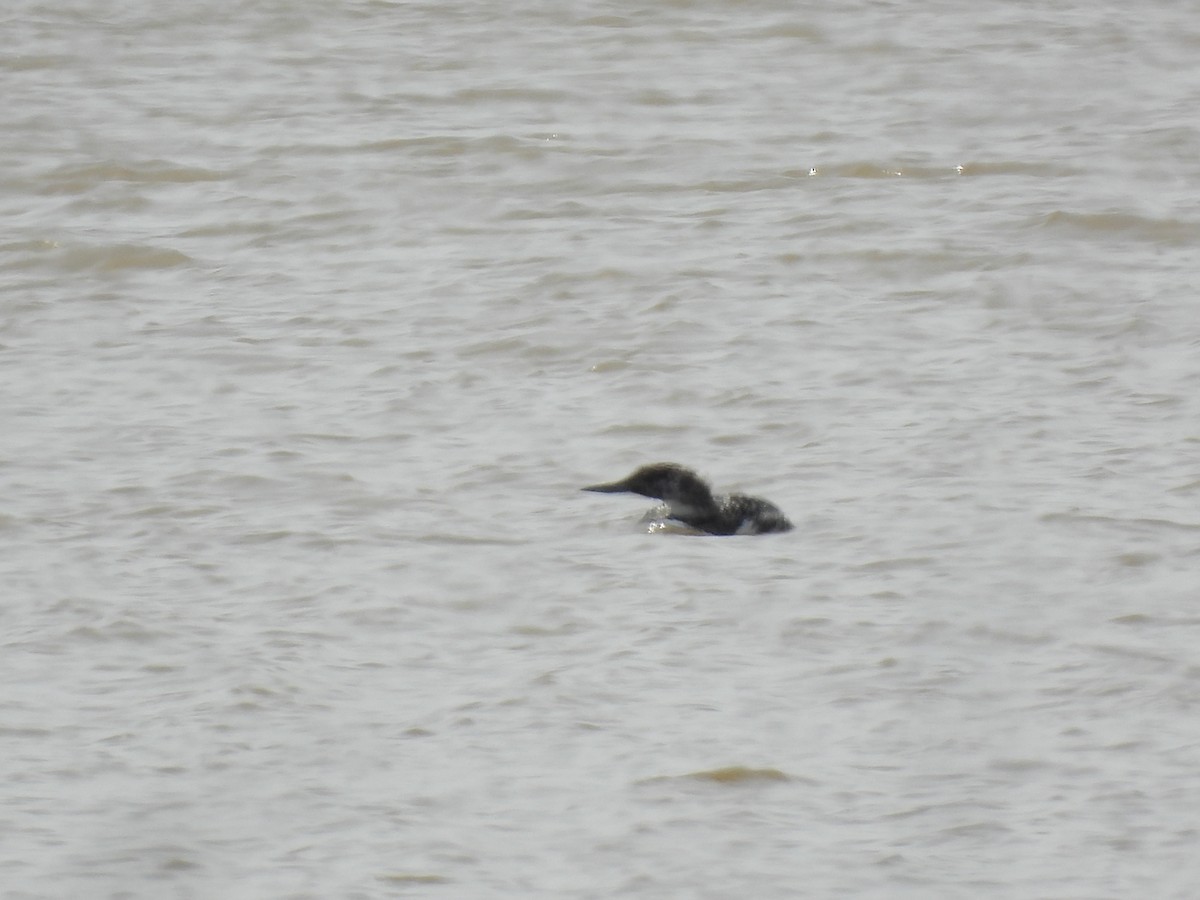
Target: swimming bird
688	500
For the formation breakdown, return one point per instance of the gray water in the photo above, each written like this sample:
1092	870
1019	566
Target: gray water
316	317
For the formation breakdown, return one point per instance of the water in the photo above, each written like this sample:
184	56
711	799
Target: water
317	317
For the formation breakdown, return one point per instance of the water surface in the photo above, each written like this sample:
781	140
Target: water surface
317	317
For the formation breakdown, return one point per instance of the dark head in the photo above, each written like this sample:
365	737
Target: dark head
662	481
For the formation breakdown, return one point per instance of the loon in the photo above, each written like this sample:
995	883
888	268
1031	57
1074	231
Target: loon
688	500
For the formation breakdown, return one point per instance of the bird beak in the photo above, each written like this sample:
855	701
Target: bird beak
616	487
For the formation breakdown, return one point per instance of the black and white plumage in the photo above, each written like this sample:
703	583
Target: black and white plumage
688	500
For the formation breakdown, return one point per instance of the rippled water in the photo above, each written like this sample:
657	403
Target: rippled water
316	317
